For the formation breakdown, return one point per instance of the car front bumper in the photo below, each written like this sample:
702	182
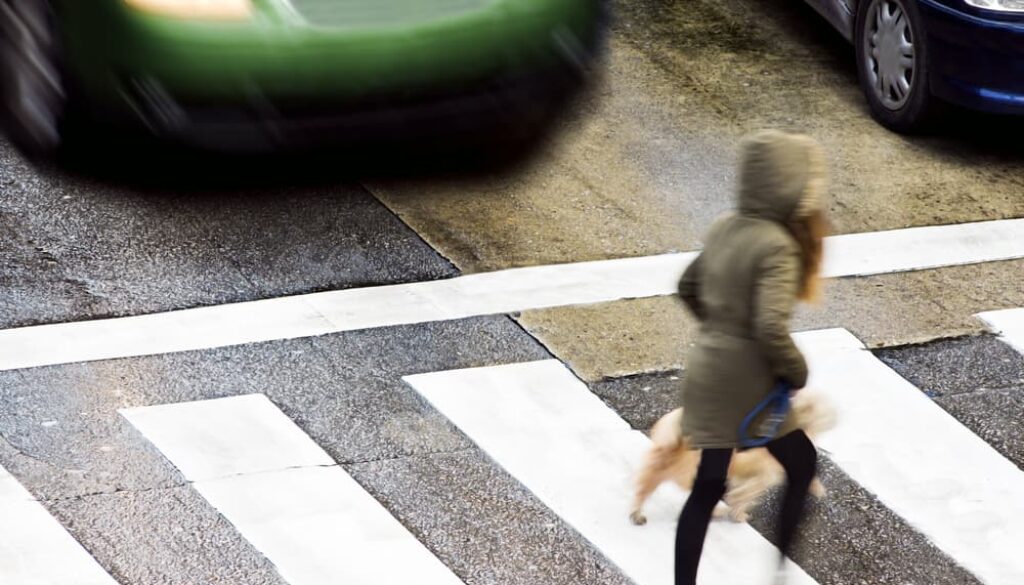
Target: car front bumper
500	111
277	79
976	57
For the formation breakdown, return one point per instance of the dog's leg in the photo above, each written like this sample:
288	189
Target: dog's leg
740	513
650	477
742	495
644	491
722	510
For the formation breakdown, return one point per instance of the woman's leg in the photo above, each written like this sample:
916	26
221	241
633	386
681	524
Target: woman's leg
799	458
708	489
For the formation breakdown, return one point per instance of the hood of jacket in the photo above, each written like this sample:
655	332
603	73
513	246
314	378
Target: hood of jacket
775	175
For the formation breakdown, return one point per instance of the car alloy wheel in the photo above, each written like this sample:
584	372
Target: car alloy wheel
893	64
889	52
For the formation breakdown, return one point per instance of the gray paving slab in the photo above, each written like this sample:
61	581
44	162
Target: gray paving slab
956	366
482	523
168	536
642	399
850	538
997	416
72	443
977	379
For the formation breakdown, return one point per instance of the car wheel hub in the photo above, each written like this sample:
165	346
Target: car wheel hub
890	57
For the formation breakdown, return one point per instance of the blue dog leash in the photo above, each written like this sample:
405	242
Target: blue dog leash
778	401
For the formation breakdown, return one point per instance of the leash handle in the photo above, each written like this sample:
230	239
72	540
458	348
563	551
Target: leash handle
778	401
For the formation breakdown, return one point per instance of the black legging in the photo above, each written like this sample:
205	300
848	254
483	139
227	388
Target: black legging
797	455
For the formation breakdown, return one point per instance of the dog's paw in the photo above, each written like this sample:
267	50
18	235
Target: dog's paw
721	511
637	517
738	517
817	489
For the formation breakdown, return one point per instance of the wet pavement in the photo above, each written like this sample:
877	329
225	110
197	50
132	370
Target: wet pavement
640	166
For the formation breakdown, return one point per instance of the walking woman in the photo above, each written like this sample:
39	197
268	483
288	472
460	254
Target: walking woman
755	265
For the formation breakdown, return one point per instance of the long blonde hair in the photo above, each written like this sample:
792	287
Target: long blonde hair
809	232
809	228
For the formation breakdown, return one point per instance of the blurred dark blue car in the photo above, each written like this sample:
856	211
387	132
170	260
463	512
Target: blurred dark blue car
910	52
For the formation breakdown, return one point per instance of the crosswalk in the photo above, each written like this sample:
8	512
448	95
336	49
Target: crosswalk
306	512
541	424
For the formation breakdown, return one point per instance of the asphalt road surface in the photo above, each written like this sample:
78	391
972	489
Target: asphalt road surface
417	391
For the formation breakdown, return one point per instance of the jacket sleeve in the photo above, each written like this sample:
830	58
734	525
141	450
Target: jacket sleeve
689	287
774	298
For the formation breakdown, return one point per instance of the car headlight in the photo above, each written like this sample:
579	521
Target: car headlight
196	9
1000	5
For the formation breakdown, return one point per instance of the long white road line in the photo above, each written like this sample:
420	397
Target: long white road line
285	495
919	461
489	293
34	547
921	248
545	427
1009	324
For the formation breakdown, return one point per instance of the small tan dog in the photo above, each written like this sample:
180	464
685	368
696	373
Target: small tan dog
751	472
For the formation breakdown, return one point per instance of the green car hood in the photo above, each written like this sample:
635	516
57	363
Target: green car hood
352	49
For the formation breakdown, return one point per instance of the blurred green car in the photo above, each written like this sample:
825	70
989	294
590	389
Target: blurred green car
259	74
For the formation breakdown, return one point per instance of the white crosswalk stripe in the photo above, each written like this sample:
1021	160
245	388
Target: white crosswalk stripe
286	495
1009	324
920	461
493	293
546	428
35	549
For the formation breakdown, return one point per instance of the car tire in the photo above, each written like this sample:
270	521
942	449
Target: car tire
34	101
893	64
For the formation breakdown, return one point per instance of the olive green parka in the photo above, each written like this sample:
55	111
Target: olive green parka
743	287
